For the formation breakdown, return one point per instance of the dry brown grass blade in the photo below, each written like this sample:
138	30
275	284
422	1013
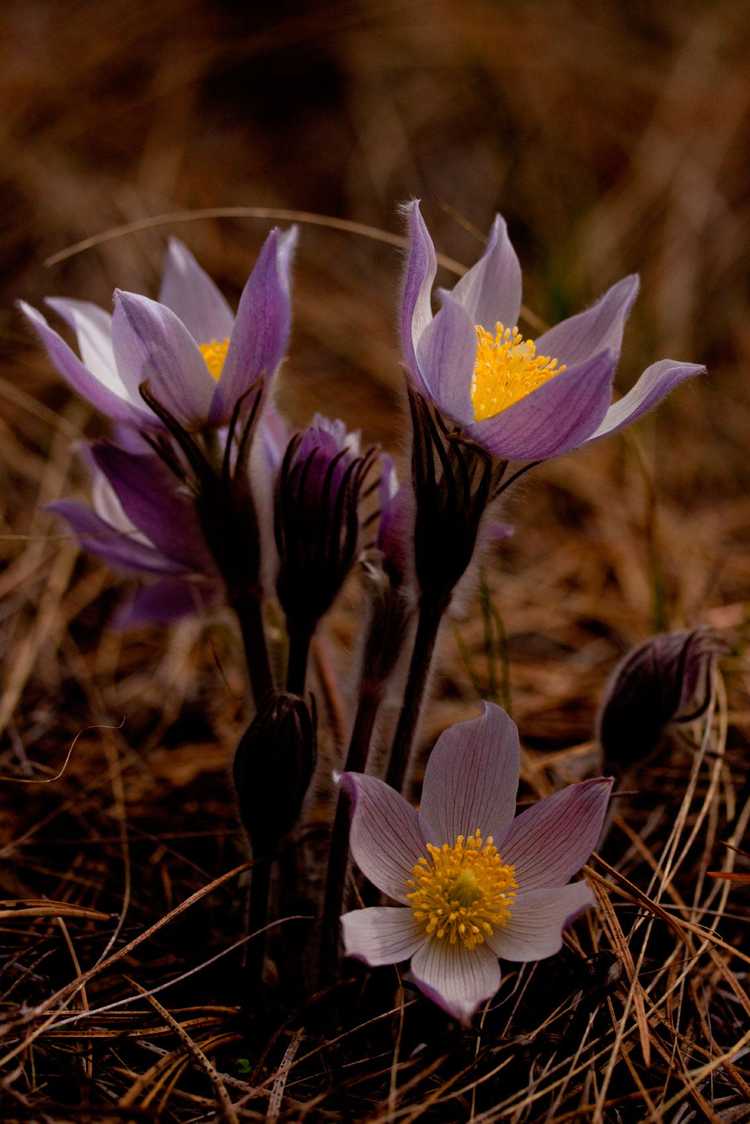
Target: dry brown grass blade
227	1109
43	908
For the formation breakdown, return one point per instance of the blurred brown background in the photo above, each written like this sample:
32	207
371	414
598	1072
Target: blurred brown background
612	136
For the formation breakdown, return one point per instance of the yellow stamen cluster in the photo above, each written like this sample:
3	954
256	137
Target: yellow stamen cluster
464	891
507	368
214	353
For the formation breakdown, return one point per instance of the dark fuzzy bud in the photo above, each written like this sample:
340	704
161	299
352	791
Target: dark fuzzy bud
221	489
454	481
667	679
316	520
273	767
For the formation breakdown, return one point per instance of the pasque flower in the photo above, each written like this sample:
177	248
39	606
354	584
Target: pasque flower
196	355
141	523
521	399
473	883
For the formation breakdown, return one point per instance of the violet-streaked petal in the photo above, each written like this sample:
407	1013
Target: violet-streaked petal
419	274
381	935
655	383
491	289
537	919
555	418
153	345
384	838
552	839
471	779
188	290
82	381
113	546
162	602
446	353
261	329
456	978
147	492
93	329
597	329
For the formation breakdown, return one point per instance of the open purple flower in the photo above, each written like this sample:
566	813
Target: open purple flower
474	883
197	357
141	524
520	399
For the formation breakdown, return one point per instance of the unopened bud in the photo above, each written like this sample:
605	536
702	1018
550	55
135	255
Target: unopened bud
667	679
316	519
273	767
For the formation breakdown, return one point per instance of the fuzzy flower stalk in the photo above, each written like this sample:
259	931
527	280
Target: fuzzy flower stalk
273	766
387	583
473	883
482	395
317	528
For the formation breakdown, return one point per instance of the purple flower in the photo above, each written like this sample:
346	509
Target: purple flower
520	399
197	357
141	524
473	883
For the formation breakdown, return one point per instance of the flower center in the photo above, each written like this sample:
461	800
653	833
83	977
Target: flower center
214	353
463	892
506	369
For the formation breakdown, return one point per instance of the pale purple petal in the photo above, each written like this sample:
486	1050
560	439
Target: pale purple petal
116	548
384	838
599	328
654	384
147	491
555	418
421	267
491	289
446	353
553	839
456	978
93	329
537	920
163	602
187	289
261	329
153	345
381	935
83	382
471	779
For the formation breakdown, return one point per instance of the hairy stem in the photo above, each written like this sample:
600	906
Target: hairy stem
257	918
428	626
299	651
370	698
250	616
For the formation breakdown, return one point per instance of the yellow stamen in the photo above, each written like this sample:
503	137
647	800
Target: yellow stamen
507	368
463	892
214	353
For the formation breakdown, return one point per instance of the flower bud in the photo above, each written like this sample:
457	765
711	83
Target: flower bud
316	519
667	679
273	766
